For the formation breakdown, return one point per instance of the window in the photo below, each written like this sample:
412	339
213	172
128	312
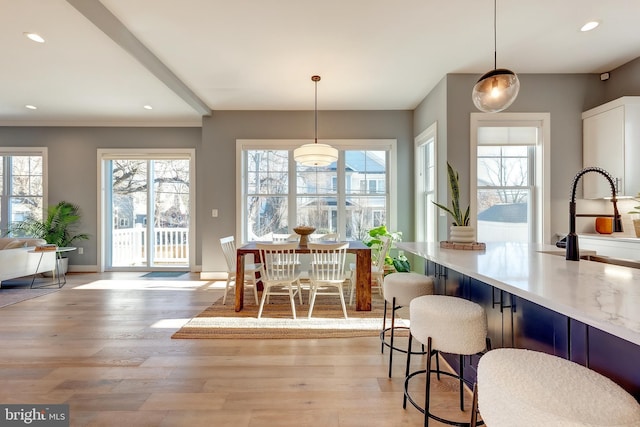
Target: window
508	177
22	184
425	193
348	197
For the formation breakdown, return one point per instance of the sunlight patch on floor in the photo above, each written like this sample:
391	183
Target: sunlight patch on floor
149	285
170	323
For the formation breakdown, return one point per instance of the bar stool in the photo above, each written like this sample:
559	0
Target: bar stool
447	324
399	289
523	388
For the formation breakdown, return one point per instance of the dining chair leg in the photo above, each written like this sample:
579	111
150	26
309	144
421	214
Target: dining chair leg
299	291
293	301
265	294
226	291
344	306
352	286
312	300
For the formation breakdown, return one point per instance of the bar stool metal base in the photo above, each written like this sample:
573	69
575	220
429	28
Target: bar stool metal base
427	372
391	333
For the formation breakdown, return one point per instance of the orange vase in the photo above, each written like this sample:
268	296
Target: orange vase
604	225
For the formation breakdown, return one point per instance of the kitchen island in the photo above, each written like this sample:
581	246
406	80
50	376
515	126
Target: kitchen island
585	311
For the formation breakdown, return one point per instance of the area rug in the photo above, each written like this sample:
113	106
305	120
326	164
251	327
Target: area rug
327	321
13	296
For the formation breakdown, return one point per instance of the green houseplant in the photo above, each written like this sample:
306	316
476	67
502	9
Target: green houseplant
400	262
57	228
460	230
459	218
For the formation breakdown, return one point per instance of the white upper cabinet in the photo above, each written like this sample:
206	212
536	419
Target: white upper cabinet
611	140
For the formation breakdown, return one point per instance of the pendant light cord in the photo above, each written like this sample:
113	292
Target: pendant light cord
495	36
316	108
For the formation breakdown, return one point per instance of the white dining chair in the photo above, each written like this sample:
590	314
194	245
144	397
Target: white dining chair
280	272
250	269
327	271
377	268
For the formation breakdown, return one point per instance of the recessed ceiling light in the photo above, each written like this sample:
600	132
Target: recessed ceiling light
589	26
31	107
148	107
35	37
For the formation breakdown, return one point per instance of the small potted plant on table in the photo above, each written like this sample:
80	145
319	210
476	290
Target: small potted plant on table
460	230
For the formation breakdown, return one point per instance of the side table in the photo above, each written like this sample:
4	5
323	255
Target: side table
58	271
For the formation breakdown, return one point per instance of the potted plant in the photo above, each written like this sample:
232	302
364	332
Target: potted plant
400	263
57	228
460	230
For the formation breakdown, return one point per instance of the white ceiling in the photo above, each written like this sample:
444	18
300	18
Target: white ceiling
190	56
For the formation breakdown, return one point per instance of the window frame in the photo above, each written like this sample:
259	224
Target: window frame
5	196
542	170
388	145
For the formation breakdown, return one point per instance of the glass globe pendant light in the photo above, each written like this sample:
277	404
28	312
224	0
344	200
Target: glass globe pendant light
315	154
497	89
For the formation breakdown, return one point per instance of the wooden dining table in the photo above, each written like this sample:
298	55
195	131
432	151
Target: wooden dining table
363	271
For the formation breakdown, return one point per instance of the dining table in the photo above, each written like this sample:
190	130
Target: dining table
363	271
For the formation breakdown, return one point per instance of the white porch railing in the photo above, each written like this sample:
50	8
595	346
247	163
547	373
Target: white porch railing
129	247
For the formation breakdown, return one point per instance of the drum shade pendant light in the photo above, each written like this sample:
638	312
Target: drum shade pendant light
497	89
315	154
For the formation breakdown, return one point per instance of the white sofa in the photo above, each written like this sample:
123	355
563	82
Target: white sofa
18	258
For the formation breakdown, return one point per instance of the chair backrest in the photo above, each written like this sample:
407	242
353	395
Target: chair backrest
377	261
329	237
229	250
284	237
327	261
279	260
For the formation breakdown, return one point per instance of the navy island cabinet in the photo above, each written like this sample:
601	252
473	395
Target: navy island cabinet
516	322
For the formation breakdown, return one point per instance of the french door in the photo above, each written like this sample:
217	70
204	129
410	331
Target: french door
147	207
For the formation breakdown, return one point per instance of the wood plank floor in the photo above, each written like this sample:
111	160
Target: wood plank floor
102	344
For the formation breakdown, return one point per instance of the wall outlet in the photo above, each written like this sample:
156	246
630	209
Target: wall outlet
80	251
214	213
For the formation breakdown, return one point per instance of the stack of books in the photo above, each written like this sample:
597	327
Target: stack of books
46	248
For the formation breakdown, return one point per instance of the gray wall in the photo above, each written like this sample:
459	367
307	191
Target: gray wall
564	96
73	162
217	177
623	81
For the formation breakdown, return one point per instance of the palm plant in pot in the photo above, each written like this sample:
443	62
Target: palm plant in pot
460	230
57	228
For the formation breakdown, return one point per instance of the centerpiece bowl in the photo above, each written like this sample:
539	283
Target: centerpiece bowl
303	231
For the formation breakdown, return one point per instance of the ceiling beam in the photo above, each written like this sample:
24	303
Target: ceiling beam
106	21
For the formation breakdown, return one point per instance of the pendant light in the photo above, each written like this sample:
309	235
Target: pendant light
497	89
315	154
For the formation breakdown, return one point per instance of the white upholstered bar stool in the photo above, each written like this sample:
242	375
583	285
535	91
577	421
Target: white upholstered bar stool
447	324
399	289
524	388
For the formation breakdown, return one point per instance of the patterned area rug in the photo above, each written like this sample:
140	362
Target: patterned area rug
13	296
221	321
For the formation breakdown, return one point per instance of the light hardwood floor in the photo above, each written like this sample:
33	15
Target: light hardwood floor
103	345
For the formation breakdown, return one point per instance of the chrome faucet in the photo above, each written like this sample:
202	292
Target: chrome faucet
573	252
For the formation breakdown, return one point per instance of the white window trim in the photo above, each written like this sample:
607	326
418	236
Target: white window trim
542	169
421	216
341	144
31	151
143	154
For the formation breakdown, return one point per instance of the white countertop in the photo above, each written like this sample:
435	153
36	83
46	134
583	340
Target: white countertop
604	296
